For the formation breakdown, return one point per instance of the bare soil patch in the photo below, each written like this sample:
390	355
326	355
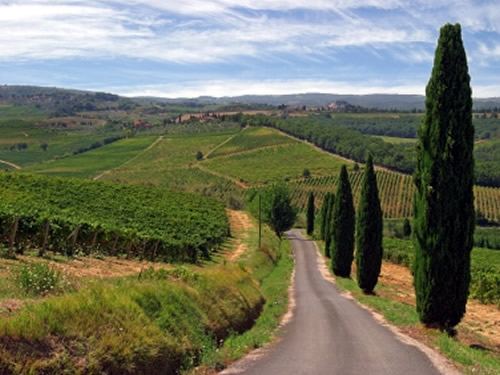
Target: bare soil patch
480	319
240	223
87	267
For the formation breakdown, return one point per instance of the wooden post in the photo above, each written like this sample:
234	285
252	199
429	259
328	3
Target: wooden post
115	243
155	248
75	236
92	243
129	249
45	238
13	236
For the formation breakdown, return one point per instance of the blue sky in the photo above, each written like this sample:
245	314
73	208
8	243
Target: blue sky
189	48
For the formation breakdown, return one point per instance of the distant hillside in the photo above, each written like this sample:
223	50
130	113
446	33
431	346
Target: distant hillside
382	101
62	102
68	101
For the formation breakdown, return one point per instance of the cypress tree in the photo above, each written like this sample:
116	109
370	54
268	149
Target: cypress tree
342	247
329	224
310	214
369	227
323	213
444	202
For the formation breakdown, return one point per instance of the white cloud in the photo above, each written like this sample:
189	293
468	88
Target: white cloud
487	52
234	87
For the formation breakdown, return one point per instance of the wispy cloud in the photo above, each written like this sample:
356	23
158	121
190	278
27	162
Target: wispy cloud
208	31
248	37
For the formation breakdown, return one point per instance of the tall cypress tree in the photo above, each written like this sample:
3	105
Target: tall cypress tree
342	247
329	224
310	214
369	231
444	202
323	213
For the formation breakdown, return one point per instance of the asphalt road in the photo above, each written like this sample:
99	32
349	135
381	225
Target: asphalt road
331	334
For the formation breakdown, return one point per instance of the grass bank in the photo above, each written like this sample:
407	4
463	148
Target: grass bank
161	321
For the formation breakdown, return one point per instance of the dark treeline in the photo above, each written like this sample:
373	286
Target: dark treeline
334	135
406	125
95	145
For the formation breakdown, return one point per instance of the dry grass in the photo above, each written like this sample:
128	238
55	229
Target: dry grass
480	319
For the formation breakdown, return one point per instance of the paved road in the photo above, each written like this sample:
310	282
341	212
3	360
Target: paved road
331	334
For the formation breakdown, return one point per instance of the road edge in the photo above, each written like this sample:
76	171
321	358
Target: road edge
442	364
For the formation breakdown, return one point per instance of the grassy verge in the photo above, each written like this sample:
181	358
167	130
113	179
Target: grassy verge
272	268
163	322
470	360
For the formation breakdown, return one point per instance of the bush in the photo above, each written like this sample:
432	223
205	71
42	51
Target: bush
485	285
38	279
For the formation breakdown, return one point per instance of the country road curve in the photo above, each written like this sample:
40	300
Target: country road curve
331	334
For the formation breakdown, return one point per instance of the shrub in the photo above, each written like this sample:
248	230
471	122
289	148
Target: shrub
38	279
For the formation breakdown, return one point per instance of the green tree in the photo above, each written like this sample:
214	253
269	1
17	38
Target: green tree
323	214
329	225
369	227
276	206
342	246
310	214
444	203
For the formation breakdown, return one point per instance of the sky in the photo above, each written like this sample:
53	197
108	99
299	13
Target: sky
191	48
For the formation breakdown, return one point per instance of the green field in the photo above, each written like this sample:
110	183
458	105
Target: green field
14	112
250	139
94	162
177	151
396	140
273	164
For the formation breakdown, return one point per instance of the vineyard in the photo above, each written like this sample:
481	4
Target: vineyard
193	180
272	164
396	193
250	139
70	215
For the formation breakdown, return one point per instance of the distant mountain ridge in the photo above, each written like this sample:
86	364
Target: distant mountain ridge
382	101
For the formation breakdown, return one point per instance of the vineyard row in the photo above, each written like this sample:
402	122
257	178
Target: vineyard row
67	216
396	192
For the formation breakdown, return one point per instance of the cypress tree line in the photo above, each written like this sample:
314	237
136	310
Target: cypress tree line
369	227
329	224
444	202
310	214
342	247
